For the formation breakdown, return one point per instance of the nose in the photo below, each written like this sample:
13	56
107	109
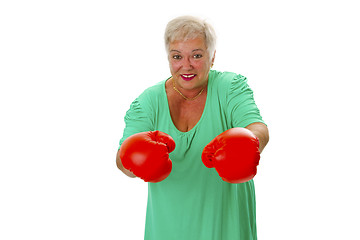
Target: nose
187	64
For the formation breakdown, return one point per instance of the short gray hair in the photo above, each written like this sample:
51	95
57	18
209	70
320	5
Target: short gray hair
189	27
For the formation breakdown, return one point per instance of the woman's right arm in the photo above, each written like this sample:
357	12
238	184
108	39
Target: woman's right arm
121	167
136	120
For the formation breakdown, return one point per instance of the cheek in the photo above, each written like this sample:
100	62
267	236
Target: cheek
201	65
174	66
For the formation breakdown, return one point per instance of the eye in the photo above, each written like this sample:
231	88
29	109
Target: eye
176	57
198	56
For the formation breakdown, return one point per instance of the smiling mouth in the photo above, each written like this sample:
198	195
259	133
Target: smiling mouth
187	77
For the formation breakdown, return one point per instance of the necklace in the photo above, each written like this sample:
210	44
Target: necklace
186	98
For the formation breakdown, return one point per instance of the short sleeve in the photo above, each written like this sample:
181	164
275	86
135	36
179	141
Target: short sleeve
241	104
136	120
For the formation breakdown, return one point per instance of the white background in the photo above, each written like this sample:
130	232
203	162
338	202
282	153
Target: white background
70	69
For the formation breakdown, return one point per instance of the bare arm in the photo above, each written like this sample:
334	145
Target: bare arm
121	167
261	132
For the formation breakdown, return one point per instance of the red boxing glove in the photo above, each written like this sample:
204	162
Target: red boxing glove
234	154
146	154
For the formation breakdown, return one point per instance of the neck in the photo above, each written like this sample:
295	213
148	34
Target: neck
185	97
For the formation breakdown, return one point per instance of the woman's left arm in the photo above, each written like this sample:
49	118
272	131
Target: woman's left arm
261	132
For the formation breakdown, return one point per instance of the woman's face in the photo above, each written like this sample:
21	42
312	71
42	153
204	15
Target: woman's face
189	63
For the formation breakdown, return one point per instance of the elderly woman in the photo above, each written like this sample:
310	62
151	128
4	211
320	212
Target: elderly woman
196	138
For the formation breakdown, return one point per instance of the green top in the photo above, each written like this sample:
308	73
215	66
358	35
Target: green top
194	203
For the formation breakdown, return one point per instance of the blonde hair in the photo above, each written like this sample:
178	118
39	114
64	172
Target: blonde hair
189	27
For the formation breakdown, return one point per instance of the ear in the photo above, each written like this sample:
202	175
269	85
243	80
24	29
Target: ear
213	59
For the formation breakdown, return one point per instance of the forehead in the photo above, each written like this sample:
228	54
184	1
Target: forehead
188	44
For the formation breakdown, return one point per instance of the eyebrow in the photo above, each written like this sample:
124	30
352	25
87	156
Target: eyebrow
198	49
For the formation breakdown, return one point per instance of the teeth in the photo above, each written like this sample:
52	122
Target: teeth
189	76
